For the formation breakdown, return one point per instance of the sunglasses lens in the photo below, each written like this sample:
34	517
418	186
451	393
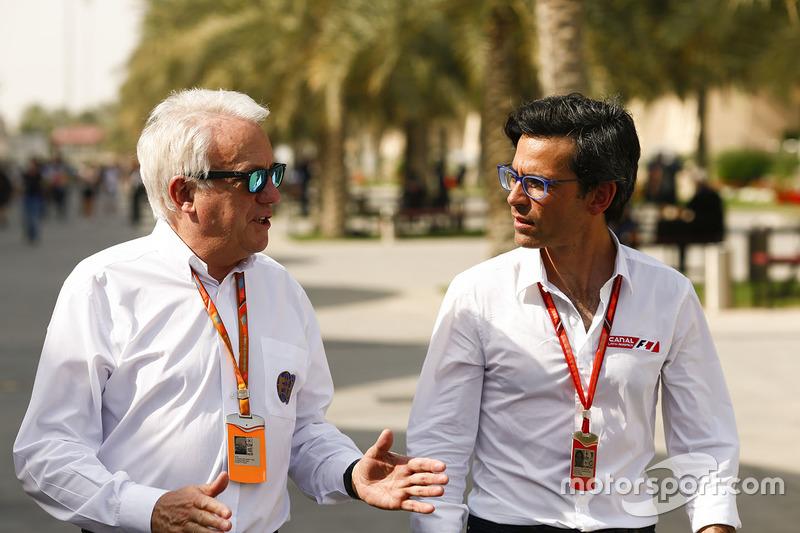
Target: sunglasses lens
277	174
257	181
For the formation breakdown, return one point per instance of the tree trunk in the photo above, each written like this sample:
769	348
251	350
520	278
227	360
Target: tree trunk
559	27
701	155
417	153
497	103
332	180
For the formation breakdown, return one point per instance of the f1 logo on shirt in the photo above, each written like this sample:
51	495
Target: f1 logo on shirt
633	343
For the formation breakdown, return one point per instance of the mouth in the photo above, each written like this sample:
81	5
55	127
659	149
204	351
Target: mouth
521	223
264	221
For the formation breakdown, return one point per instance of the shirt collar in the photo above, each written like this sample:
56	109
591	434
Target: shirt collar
183	258
531	268
621	263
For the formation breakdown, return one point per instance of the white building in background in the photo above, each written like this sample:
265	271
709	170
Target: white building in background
734	120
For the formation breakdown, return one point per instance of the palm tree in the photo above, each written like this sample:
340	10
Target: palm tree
647	49
205	43
408	75
559	27
319	64
501	76
505	75
254	48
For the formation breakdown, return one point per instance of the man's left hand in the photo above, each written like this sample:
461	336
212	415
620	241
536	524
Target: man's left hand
388	480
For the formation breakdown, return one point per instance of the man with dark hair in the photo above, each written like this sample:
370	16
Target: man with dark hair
559	348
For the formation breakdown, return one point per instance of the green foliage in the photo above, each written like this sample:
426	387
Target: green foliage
784	164
37	119
648	48
333	70
772	293
741	167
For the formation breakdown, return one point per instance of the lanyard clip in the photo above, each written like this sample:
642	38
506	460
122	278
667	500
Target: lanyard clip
587	414
242	394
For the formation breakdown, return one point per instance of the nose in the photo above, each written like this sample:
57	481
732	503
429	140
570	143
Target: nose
516	195
269	194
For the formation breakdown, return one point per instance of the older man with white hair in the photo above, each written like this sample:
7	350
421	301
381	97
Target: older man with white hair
183	378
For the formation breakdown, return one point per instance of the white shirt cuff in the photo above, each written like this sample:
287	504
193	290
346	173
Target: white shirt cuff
136	507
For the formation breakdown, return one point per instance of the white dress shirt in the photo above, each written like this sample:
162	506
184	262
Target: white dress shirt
134	385
496	383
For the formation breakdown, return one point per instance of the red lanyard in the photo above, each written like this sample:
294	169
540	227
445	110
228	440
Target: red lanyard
242	368
599	355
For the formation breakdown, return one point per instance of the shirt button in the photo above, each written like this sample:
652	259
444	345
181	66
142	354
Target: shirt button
233	396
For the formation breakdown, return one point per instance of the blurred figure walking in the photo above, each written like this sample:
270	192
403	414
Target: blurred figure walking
89	176
32	200
6	191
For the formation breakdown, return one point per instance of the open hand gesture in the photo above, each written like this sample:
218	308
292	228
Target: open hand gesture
388	480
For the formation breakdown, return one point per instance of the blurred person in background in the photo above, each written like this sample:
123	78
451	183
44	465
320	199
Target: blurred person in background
706	211
32	200
59	177
89	178
702	220
662	171
110	179
138	193
6	192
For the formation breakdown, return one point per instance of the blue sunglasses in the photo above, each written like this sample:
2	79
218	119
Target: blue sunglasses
256	179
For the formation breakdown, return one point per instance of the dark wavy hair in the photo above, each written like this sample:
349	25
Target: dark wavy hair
607	146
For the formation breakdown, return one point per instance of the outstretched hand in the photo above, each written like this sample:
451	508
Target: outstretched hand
192	509
388	480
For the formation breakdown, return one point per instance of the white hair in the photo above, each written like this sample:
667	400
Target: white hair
177	137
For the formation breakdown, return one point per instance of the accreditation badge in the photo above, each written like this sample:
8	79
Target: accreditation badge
583	461
247	460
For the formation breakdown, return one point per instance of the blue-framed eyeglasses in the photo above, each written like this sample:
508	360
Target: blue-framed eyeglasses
256	179
534	186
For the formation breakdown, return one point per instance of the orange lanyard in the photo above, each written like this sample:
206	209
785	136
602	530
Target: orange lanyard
599	355
242	368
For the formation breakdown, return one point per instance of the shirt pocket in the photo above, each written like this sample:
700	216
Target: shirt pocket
284	371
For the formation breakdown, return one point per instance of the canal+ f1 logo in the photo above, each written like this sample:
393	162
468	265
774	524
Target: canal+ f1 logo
633	343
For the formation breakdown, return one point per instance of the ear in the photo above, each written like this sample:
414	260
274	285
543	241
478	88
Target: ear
600	198
182	192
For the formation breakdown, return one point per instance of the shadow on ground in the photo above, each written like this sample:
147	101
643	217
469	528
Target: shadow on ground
354	362
326	296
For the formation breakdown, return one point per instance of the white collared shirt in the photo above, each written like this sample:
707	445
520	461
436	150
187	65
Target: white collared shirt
134	384
496	383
